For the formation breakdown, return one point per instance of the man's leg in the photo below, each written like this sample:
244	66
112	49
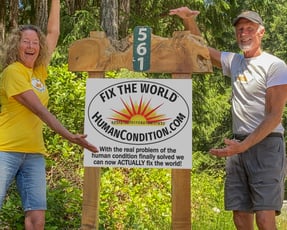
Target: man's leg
243	220
35	220
265	220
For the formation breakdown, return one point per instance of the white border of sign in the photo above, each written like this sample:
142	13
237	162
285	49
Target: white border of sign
139	123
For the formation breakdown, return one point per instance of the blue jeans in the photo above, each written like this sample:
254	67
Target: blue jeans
30	174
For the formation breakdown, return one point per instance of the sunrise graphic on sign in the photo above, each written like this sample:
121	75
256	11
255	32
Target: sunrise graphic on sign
139	114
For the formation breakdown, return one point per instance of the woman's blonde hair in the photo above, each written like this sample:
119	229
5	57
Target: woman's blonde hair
10	52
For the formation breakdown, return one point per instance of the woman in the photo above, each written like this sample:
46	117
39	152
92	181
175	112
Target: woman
23	99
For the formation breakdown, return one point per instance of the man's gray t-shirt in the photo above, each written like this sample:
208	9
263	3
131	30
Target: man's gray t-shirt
250	78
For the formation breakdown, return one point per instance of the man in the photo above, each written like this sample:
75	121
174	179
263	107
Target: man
255	166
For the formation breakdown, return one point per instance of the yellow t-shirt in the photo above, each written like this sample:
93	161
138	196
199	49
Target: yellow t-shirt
20	129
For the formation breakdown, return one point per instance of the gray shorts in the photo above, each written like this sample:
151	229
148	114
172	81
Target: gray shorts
255	178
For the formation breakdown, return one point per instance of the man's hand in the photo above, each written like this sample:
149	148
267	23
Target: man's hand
183	12
232	147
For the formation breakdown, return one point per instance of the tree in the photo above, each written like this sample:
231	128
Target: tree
110	18
13	13
41	14
2	20
124	17
74	5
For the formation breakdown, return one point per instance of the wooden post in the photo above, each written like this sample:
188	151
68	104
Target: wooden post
92	179
91	194
181	199
181	190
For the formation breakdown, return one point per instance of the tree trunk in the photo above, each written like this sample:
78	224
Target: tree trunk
2	20
13	16
80	4
124	14
74	5
41	11
109	18
70	5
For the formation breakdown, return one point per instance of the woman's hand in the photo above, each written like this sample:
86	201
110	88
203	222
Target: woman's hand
80	139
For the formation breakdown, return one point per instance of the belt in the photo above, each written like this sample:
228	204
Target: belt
241	137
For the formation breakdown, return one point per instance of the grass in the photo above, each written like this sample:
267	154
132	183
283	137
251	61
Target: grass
282	219
223	220
208	205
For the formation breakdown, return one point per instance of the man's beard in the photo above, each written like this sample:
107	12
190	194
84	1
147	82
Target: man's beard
245	48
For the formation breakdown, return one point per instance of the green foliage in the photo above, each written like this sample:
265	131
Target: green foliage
11	216
276	30
125	73
64	204
135	199
64	164
207	198
73	28
72	88
210	111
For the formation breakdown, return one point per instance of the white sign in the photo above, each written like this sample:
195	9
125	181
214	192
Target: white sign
139	123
